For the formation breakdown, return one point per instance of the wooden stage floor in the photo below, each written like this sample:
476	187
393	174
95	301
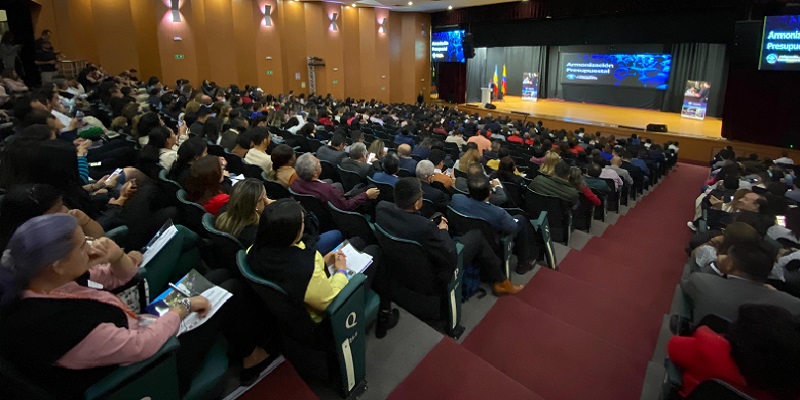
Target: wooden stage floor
606	116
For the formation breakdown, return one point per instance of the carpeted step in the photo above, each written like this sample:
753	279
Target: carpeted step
595	310
450	371
282	383
554	359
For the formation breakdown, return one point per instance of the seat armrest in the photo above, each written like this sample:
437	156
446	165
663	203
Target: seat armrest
124	374
346	293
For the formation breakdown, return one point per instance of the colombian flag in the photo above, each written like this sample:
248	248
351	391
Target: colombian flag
494	80
503	86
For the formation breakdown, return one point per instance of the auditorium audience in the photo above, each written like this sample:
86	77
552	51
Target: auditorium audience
240	219
402	220
283	159
204	184
288	251
557	185
757	355
46	173
46	297
308	170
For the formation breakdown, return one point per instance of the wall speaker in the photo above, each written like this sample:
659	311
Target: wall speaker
468	45
657	128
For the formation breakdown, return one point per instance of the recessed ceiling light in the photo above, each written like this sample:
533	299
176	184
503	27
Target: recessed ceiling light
449	7
411	3
353	5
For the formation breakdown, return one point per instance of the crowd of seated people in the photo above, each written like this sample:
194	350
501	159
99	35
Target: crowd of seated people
138	142
742	271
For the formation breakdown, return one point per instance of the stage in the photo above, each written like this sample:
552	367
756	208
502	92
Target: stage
596	117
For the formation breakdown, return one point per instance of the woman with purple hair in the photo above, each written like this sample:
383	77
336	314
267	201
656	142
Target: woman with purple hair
64	330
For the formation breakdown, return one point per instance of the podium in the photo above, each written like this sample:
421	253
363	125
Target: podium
486	95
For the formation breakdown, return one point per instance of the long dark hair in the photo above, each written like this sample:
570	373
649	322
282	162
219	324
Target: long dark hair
187	153
158	140
280	223
204	179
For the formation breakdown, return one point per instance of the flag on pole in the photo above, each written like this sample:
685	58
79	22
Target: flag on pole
494	80
503	85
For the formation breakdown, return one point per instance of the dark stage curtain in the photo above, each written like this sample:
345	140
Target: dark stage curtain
697	62
452	82
517	60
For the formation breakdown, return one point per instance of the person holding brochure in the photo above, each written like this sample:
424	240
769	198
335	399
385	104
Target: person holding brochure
65	331
287	252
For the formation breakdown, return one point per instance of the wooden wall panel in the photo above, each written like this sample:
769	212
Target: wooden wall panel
112	20
228	42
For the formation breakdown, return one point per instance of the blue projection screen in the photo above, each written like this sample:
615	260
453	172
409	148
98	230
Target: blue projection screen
649	71
446	46
780	46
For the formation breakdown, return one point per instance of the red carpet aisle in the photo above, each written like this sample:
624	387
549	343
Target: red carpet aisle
586	331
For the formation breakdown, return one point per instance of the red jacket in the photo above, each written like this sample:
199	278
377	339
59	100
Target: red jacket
707	355
215	203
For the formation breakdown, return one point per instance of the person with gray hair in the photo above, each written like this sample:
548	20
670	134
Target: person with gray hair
440	200
357	162
64	330
308	170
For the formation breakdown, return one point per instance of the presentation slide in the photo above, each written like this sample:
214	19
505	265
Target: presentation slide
650	71
446	46
780	46
530	86
695	99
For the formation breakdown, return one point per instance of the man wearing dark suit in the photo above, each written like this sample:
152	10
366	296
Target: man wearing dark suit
477	206
746	267
402	220
425	171
308	170
406	162
357	162
333	152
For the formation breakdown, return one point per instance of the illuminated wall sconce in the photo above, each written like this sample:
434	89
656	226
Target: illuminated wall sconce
382	26
334	17
267	18
175	7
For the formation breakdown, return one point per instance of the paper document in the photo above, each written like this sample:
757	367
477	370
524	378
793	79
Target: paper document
193	284
357	262
162	237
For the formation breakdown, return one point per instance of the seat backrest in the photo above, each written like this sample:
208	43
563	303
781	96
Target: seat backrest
329	171
408	263
170	186
275	190
251	170
459	174
225	245
191	213
558	215
428	208
314	205
387	190
462	224
404	173
292	317
350	179
353	224
514	195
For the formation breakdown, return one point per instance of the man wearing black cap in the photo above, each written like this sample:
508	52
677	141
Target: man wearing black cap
403	220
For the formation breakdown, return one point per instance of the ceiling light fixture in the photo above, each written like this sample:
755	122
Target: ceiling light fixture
449	7
353	5
411	3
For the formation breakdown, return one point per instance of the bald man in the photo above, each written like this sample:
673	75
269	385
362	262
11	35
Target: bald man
406	162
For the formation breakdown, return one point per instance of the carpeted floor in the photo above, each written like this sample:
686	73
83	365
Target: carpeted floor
586	331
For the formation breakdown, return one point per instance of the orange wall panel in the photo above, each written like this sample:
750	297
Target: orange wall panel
228	42
112	20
